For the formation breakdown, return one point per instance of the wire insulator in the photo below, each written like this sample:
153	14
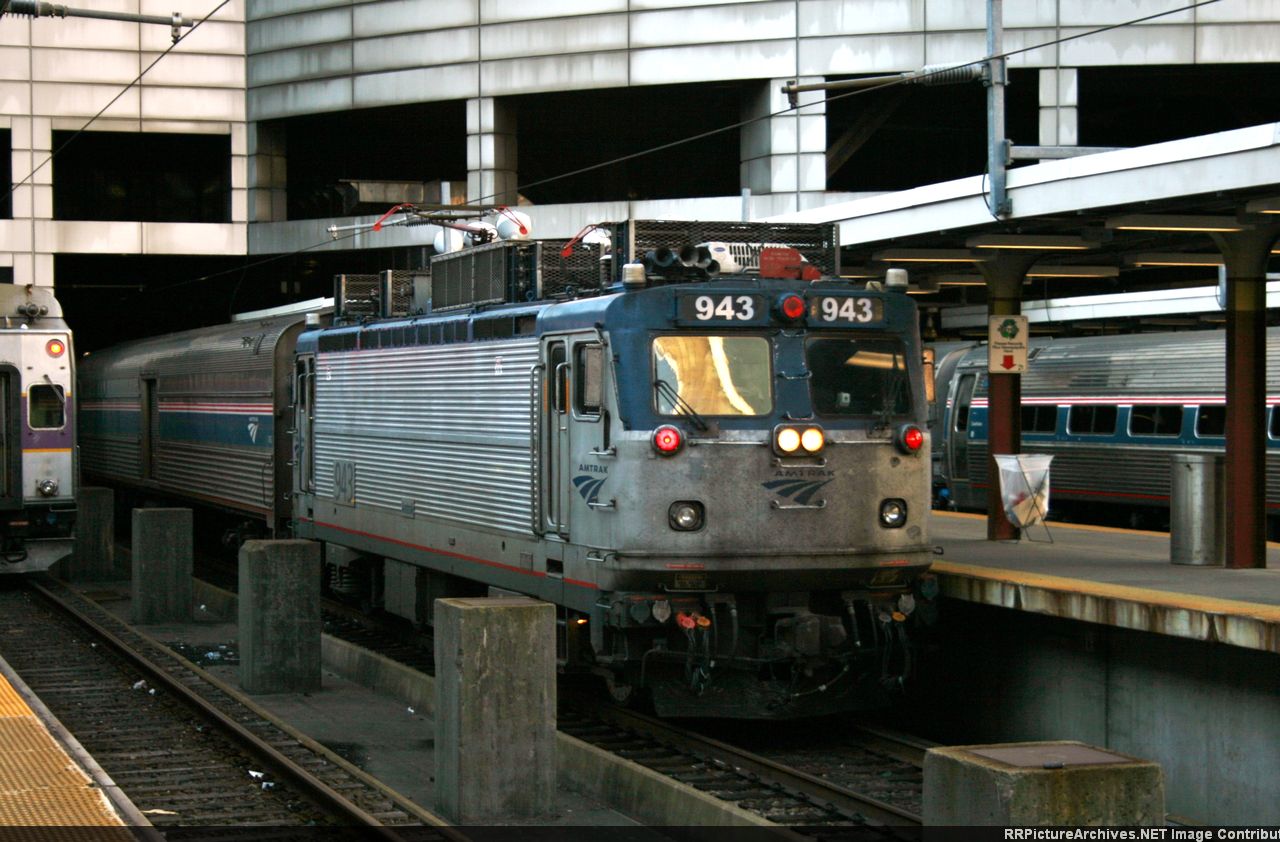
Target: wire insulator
947	74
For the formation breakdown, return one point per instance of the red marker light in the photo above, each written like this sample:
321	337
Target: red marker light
910	439
55	348
792	307
667	440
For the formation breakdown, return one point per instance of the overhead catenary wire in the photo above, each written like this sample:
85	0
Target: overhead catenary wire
137	79
917	78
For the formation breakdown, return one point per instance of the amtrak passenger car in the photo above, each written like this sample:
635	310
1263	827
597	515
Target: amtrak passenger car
37	431
201	415
1111	409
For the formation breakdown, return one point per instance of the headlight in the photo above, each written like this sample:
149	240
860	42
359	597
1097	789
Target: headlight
893	513
685	515
798	441
47	487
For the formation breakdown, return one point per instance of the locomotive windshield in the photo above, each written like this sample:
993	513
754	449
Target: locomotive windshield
858	376
712	375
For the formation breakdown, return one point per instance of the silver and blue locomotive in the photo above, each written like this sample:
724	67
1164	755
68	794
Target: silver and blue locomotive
37	431
721	480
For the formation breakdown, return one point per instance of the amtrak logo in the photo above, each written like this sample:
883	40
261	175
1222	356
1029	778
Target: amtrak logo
799	490
589	487
253	430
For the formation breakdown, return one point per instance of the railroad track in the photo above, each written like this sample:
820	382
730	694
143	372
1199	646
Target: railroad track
781	791
872	780
186	748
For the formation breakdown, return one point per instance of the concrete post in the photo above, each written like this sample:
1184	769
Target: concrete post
492	175
1051	783
279	610
161	565
495	709
266	170
786	153
1059	106
94	556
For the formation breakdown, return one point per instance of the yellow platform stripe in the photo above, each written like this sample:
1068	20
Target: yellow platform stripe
40	785
11	704
46	450
1086	587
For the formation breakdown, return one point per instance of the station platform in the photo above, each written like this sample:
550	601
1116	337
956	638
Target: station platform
1116	577
46	778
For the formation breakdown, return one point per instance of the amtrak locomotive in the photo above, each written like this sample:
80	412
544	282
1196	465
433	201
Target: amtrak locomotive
722	480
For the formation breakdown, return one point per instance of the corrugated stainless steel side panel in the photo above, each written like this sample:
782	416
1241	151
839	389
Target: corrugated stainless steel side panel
1133	475
1190	364
241	476
110	457
446	427
242	349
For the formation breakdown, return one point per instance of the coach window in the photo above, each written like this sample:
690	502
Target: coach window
1039	418
1091	420
1211	422
588	391
45	407
1155	420
1275	422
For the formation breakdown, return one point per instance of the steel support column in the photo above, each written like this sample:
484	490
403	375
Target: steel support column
1005	274
1246	254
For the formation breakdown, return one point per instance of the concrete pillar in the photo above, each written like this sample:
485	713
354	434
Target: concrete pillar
495	709
491	152
279	610
94	556
161	565
1059	107
786	153
267	173
1029	784
31	142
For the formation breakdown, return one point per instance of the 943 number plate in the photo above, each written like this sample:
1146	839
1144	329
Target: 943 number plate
828	309
722	308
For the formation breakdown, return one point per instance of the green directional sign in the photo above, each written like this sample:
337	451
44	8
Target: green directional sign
1007	344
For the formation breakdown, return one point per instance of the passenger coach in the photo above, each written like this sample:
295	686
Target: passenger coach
1112	410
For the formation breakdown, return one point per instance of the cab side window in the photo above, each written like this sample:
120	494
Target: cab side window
588	370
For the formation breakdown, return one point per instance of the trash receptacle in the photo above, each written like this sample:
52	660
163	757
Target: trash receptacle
1196	534
1024	486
